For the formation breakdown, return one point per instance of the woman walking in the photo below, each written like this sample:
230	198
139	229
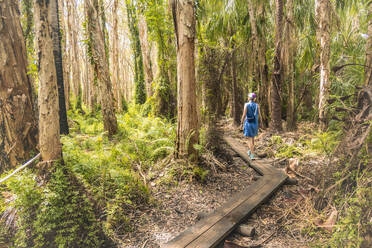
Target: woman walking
250	121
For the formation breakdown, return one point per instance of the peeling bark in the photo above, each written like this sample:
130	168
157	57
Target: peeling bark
187	123
49	130
96	37
115	56
18	131
322	10
145	48
289	54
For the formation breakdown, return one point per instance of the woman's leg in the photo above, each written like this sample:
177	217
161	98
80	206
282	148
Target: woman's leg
252	145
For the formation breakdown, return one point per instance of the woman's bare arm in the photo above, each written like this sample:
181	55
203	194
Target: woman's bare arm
244	114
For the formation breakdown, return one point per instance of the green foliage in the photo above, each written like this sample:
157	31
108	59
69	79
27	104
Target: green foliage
110	168
200	173
322	143
108	171
124	104
325	142
54	215
354	224
139	78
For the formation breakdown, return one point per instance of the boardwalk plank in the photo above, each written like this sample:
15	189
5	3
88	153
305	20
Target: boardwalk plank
211	230
192	233
213	236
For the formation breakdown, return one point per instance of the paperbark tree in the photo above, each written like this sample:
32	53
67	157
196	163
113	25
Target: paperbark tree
49	129
322	12
57	53
99	58
115	56
145	48
235	115
368	68
65	56
75	55
139	78
18	130
276	79
187	123
288	59
257	15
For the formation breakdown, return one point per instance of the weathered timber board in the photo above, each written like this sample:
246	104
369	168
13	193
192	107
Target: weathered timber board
210	231
261	168
194	232
221	229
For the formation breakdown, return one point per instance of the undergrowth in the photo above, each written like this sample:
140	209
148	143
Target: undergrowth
110	183
346	187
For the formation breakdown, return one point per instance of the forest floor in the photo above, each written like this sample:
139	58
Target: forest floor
286	220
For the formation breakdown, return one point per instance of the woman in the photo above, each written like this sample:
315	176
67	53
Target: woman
250	120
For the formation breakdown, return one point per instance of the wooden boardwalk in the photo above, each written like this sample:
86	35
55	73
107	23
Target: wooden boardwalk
211	230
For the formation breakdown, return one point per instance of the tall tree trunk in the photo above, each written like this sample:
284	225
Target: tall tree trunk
289	55
115	56
57	53
322	11
49	128
368	68
187	123
139	80
276	79
145	48
18	130
65	57
234	92
259	46
97	45
76	55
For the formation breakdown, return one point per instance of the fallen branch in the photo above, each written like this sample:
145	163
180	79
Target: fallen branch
19	168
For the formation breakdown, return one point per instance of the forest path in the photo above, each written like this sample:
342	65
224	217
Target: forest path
212	229
278	223
287	219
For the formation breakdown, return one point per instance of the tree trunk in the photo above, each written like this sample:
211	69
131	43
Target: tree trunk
115	56
97	45
76	56
49	129
139	80
322	11
57	53
66	70
276	79
289	54
234	92
63	27
187	123
261	72
145	48
17	124
368	68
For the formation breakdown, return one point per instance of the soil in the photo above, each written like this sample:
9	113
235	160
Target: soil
279	222
177	207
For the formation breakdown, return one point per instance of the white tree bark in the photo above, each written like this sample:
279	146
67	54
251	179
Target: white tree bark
322	11
49	131
187	122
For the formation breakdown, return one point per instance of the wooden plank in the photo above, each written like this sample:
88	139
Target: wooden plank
214	235
208	232
192	233
260	168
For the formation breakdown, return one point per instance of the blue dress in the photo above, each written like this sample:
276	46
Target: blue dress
251	128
